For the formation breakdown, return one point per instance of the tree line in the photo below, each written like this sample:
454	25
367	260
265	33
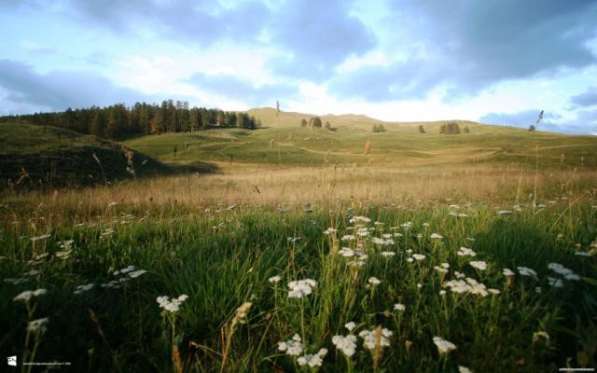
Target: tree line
119	121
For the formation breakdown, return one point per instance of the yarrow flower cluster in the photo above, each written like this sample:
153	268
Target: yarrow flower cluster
347	344
443	345
301	288
469	285
274	279
292	347
526	271
464	251
38	325
479	264
313	360
567	273
171	305
376	336
27	295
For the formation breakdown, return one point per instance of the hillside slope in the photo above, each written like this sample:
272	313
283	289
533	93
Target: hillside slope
282	141
48	156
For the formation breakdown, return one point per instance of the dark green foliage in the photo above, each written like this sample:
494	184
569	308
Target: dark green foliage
378	128
450	128
119	122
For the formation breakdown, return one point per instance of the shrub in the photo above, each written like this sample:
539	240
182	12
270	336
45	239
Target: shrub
421	129
378	128
450	128
315	122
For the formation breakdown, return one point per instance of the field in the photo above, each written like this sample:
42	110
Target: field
299	249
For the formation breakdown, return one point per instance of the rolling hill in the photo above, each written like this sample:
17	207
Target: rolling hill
282	141
48	156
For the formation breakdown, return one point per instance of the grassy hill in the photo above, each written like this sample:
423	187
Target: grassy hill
282	141
43	155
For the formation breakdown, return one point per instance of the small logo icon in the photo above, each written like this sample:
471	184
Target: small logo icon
12	361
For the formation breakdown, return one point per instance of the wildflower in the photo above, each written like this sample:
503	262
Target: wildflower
464	251
442	292
360	219
301	288
28	294
38	325
274	279
493	291
370	337
526	271
443	268
346	344
171	305
314	360
418	257
346	252
350	325
504	212
480	265
541	336
348	237
63	254
66	245
567	273
137	273
436	236
292	347
508	272
329	231
388	254
293	239
399	307
124	271
443	346
459	275
406	226
463	369
374	281
83	288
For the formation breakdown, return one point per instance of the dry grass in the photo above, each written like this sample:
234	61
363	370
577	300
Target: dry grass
257	185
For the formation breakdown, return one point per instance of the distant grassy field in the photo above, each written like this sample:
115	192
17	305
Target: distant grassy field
281	143
446	251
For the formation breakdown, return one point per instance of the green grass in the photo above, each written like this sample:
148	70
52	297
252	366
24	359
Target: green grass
401	144
222	259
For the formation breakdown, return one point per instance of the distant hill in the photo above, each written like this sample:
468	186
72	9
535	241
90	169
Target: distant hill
33	156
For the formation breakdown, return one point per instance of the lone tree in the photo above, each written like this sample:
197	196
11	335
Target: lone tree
379	128
421	129
315	122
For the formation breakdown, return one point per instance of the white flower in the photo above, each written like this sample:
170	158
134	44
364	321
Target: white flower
124	271
37	325
388	254
508	272
493	291
301	288
526	271
171	305
346	344
370	337
83	288
463	369
274	279
480	265
440	269
314	360
348	237
442	292
465	251
418	257
399	307
443	346
374	281
561	270
346	252
407	225
292	347
137	273
360	219
504	212
436	236
350	325
329	231
28	294
459	275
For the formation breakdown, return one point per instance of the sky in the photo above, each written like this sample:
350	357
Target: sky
495	61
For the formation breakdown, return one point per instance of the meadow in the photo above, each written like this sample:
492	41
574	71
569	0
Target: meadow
309	250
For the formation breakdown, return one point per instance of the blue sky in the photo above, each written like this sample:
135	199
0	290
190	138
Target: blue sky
498	61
